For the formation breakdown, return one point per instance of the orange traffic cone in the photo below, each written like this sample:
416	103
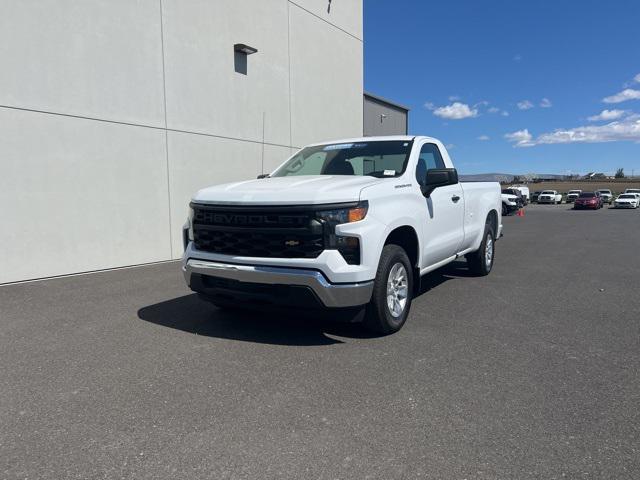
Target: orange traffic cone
520	212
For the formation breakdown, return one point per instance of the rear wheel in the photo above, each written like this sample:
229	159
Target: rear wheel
392	292
481	261
505	210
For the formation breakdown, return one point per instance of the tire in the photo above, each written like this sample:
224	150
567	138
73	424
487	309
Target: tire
481	262
505	210
387	312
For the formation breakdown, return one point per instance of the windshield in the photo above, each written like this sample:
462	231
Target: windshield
632	190
606	192
627	196
587	195
377	159
548	192
574	192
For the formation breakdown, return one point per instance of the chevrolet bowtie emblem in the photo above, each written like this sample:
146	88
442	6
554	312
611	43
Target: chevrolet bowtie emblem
292	243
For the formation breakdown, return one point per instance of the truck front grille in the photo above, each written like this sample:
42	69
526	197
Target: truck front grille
272	232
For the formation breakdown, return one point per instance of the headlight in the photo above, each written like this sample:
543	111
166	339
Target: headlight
344	215
349	247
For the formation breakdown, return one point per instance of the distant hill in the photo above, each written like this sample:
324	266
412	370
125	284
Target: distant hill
508	177
488	177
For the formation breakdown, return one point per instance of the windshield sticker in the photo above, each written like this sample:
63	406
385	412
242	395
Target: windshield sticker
389	173
343	146
339	146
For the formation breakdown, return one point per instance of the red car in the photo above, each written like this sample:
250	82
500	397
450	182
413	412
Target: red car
588	200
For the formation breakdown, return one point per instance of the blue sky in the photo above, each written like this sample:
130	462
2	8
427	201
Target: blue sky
513	86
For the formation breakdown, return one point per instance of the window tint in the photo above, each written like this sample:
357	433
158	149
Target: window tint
431	156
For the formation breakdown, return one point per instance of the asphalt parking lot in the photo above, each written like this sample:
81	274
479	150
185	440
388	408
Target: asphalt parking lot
531	372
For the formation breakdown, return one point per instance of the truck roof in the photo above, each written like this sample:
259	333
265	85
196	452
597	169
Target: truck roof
406	138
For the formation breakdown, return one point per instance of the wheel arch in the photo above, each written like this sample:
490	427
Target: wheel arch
405	236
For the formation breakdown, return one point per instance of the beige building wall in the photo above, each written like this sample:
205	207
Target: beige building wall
113	113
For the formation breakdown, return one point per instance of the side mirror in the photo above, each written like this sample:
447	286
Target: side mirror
438	177
263	175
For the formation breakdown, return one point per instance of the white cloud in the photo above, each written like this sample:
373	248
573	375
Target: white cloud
546	103
607	115
429	106
623	96
521	138
624	130
517	57
450	146
454	98
637	78
493	110
525	105
456	111
504	113
483	138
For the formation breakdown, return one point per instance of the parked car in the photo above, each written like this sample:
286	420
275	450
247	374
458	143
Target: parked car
550	196
526	196
349	225
632	190
627	200
510	204
534	196
607	196
572	195
588	200
516	193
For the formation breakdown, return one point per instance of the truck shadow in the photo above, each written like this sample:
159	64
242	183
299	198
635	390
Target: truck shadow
190	314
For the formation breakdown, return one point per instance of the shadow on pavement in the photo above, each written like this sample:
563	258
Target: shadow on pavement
191	314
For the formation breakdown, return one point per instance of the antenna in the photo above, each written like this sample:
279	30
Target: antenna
262	157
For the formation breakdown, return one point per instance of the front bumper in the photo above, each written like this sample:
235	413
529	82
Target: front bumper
624	205
329	295
513	207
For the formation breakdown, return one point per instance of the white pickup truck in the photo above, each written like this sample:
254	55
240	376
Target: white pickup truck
550	196
351	224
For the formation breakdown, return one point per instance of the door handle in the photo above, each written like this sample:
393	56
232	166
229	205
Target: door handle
455	199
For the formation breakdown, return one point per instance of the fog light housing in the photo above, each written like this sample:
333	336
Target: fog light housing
349	248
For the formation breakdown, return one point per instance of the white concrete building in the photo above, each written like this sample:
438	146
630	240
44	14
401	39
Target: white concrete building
113	112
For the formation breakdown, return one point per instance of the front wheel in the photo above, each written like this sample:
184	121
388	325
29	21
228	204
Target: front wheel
392	292
481	261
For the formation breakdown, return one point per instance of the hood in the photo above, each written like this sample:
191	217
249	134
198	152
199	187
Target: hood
294	190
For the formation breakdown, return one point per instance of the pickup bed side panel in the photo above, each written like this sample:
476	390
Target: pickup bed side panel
480	198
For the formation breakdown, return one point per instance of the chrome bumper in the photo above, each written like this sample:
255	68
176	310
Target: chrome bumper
331	295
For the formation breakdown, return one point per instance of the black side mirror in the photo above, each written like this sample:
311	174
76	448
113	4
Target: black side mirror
438	177
263	175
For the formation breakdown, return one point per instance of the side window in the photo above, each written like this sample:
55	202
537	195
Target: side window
429	158
431	155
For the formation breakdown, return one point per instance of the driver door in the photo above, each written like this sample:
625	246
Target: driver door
444	219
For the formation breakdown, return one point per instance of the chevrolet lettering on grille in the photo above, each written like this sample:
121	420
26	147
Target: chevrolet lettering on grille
249	219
